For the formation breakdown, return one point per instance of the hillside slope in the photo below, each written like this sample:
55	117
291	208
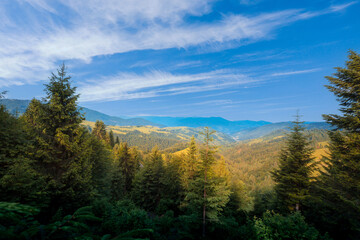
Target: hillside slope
253	160
147	137
275	129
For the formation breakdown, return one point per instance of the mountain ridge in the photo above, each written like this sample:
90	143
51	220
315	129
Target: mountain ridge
238	130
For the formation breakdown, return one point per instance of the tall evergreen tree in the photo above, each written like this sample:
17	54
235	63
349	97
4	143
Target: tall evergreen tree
19	181
111	139
207	193
126	166
190	163
296	164
100	131
60	149
148	186
339	185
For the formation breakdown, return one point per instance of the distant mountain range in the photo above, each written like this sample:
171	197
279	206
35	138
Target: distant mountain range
16	106
275	129
239	130
216	123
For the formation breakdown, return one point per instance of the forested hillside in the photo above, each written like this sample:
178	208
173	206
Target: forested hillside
252	161
62	177
147	137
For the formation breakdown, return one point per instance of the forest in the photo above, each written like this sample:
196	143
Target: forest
63	179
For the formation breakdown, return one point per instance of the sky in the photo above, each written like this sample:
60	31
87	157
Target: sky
236	59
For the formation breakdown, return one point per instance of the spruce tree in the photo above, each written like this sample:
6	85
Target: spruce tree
190	163
339	185
111	139
126	166
296	164
19	180
148	186
207	193
100	131
60	148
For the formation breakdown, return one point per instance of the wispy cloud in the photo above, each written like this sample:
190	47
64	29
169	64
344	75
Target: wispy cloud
53	31
155	83
296	72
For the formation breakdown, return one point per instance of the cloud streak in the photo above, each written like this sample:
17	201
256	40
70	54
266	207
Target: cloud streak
156	83
295	72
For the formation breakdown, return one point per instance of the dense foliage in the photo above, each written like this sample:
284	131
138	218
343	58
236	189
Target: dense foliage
60	179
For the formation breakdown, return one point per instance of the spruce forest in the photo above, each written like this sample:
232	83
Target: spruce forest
62	177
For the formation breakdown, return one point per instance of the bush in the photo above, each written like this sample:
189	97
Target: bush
273	226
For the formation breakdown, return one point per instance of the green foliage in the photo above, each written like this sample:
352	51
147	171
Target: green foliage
60	150
337	192
121	216
99	131
13	140
207	193
148	184
190	163
17	221
111	139
295	169
127	165
19	181
252	161
274	226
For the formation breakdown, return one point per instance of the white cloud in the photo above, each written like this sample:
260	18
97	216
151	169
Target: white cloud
52	31
295	72
156	83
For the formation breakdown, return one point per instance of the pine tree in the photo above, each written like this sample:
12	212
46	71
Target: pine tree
190	163
19	181
338	187
111	139
207	193
126	166
100	131
60	144
296	164
148	186
117	140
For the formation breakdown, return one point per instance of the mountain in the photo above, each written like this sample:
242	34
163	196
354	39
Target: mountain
147	137
19	106
275	129
92	115
216	123
239	130
15	106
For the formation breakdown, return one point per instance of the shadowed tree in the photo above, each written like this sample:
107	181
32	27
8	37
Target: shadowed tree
338	190
296	164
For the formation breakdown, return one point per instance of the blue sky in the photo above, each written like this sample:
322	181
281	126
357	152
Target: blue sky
237	59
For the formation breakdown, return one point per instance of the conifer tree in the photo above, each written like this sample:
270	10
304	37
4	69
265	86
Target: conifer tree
117	140
296	164
111	139
60	150
100	131
190	162
338	187
126	166
207	193
148	186
19	181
